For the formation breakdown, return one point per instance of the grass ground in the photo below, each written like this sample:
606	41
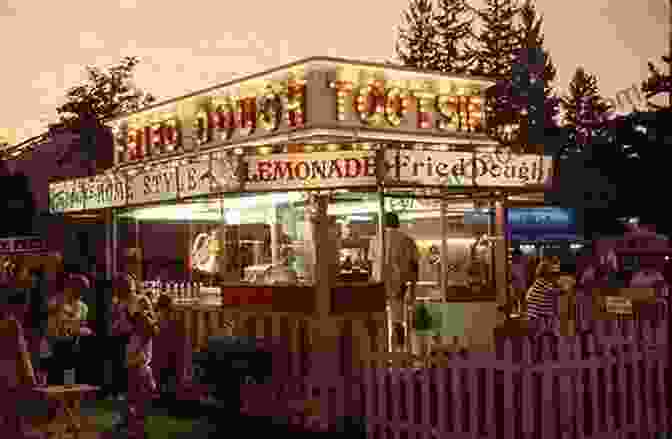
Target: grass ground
103	414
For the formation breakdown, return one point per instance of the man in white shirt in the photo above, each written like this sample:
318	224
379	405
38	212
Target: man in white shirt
399	267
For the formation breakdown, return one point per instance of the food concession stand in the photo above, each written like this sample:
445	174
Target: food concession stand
268	191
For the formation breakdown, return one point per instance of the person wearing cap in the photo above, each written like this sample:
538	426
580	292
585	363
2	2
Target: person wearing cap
401	266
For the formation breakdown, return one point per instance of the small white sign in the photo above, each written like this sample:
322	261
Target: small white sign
618	305
66	196
156	185
312	170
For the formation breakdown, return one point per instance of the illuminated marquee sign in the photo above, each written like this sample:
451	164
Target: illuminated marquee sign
313	170
315	93
379	104
217	118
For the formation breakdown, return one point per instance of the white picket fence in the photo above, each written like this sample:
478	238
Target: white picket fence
610	383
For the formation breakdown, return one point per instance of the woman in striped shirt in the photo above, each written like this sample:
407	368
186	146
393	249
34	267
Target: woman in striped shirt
543	296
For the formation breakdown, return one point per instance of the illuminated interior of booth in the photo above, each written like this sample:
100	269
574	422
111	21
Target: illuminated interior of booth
247	218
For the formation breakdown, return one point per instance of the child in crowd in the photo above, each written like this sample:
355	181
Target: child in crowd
141	384
123	305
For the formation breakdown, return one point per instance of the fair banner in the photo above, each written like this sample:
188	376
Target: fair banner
194	179
310	171
104	191
159	184
66	196
459	169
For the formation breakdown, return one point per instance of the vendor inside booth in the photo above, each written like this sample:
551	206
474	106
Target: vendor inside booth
271	190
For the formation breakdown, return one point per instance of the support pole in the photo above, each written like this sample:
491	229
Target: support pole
378	265
114	230
110	247
501	251
444	250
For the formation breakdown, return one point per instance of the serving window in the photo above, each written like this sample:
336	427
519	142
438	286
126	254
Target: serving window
253	238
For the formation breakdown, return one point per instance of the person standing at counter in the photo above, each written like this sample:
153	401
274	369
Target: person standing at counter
401	266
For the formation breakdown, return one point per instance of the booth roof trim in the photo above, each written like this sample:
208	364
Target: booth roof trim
309	64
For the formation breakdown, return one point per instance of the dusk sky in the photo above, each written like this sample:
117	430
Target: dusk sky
187	46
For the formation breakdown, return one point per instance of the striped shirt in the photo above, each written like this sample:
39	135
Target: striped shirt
542	299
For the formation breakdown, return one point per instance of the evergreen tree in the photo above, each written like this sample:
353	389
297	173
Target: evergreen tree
539	122
417	44
658	83
530	36
497	41
454	28
585	110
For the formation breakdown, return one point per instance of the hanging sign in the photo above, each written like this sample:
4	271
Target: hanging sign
104	191
156	185
446	168
66	196
313	170
193	179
